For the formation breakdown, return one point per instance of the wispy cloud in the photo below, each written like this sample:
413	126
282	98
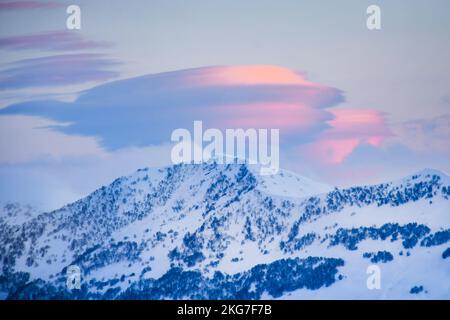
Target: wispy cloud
29	5
57	70
51	41
425	135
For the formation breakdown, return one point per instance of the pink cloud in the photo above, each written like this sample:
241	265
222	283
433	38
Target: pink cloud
347	130
365	123
262	96
247	75
292	118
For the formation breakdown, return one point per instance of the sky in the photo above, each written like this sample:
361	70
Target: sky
79	108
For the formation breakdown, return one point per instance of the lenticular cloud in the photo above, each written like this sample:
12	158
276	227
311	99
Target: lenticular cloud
145	110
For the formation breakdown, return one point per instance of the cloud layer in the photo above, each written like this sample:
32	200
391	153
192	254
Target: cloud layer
348	129
144	111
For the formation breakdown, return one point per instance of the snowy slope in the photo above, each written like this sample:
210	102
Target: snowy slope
223	231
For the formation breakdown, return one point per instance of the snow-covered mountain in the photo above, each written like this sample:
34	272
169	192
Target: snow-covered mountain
222	231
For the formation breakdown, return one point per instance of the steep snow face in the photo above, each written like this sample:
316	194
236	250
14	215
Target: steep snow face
222	231
289	184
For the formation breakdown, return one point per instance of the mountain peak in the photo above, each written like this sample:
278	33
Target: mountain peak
430	171
169	225
284	183
427	174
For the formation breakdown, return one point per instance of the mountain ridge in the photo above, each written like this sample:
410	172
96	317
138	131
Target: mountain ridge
211	218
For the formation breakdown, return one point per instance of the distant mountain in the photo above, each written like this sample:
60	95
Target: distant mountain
222	231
